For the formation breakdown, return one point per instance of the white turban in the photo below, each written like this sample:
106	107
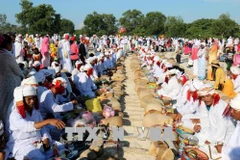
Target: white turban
195	85
64	82
36	64
206	89
29	91
235	102
32	81
156	58
235	70
78	62
1	128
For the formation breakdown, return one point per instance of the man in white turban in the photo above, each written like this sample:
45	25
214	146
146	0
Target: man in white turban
30	139
187	99
214	127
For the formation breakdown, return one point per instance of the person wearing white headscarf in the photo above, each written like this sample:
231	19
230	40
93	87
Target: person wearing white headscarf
18	46
85	85
187	99
75	71
235	76
107	61
202	62
28	129
66	52
215	127
171	88
48	103
231	149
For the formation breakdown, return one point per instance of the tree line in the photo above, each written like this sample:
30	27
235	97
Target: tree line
43	19
156	24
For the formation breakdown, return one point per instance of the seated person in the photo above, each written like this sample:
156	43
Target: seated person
214	127
85	84
48	104
171	88
231	148
25	139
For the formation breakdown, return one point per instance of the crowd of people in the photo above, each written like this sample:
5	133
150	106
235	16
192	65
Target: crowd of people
42	78
197	104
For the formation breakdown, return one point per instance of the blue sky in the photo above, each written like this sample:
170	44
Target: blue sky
76	10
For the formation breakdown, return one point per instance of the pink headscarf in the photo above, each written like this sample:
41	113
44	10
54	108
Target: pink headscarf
45	48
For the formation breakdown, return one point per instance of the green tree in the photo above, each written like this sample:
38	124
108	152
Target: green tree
41	19
66	26
201	28
154	23
5	26
132	20
99	24
174	27
224	26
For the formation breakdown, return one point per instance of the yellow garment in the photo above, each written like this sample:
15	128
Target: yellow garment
220	77
228	89
212	56
93	105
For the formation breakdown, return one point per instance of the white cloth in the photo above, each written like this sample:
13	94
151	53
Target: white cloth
231	149
48	105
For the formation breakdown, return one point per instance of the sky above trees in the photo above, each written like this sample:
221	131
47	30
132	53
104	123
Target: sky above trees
77	10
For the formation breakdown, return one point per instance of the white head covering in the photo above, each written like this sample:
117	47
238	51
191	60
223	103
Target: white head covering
29	91
206	89
36	64
82	69
234	103
156	58
1	128
195	84
87	67
78	62
235	70
56	67
64	82
31	81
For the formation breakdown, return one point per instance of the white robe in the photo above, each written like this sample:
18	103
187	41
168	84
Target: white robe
85	85
48	105
18	52
231	149
170	89
66	61
23	136
218	128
